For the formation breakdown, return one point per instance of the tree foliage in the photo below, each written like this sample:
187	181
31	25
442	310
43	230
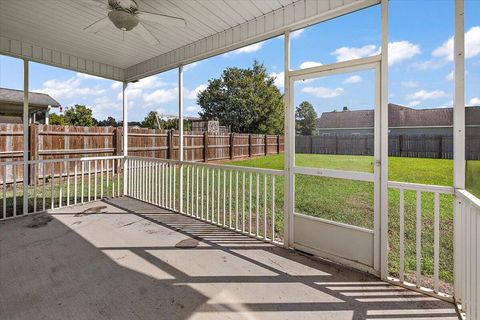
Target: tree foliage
246	100
306	119
109	122
56	119
80	115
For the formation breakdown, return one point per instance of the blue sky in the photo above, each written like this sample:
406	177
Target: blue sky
419	75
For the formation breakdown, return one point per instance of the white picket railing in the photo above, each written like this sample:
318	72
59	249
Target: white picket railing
467	253
56	183
242	199
429	284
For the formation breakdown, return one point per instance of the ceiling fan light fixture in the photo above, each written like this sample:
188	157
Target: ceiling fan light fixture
123	20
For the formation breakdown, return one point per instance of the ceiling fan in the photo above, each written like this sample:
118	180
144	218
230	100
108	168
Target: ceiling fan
126	15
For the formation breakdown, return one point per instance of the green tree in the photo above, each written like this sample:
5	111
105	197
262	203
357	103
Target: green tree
58	119
80	115
150	121
246	100
109	122
306	119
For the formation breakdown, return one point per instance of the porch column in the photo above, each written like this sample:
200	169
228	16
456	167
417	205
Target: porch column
384	144
458	132
180	135
25	136
125	138
289	156
459	98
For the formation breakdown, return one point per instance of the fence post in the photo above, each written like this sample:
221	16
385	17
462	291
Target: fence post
440	147
266	145
170	144
205	146
278	144
400	144
117	136
232	147
33	147
250	145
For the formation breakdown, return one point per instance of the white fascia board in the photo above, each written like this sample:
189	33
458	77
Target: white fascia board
23	50
297	15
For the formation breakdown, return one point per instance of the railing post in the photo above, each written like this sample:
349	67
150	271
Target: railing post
205	146
232	147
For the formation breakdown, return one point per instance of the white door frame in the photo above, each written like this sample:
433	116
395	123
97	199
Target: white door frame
370	63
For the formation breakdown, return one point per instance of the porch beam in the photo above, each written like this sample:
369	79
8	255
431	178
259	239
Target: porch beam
25	135
125	137
180	134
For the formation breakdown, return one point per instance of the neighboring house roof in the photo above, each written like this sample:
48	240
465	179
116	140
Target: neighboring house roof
11	96
398	116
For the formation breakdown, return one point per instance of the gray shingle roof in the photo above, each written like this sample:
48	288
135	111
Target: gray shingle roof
398	116
35	99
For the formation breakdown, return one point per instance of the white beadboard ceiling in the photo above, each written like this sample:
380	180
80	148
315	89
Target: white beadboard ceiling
51	31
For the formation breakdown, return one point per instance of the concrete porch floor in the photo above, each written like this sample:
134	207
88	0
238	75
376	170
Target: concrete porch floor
132	260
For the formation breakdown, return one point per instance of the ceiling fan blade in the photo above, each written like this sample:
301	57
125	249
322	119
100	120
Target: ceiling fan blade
161	19
98	25
146	35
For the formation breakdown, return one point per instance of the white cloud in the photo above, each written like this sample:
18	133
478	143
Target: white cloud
116	85
192	109
409	84
161	96
192	95
449	76
248	49
279	78
191	66
472	45
414	103
353	79
350	53
296	34
69	89
401	50
429	64
323	92
309	64
398	51
87	76
424	95
475	101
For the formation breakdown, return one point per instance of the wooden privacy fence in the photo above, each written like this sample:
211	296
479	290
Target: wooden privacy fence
412	145
60	142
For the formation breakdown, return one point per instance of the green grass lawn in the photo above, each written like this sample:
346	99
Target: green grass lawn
351	202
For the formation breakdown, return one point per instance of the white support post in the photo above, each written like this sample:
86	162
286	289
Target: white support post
458	132
25	136
47	115
384	144
459	98
125	138
289	148
180	135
